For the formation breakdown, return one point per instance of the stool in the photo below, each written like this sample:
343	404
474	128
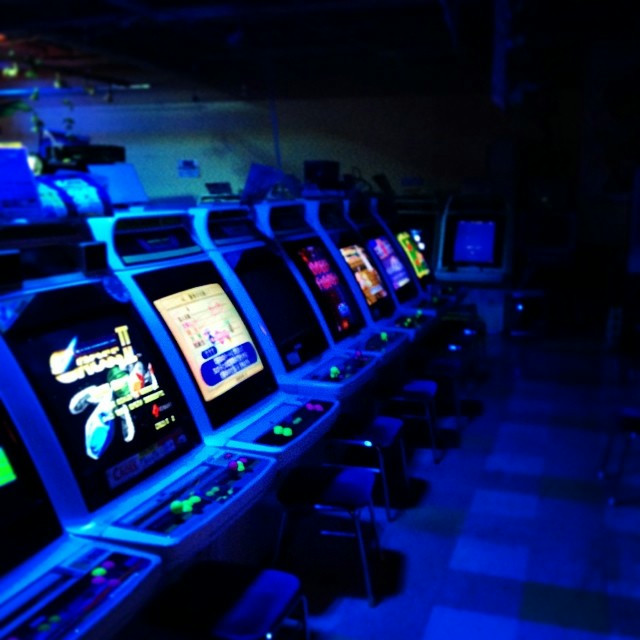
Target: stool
225	601
328	488
267	603
417	400
380	435
448	371
627	426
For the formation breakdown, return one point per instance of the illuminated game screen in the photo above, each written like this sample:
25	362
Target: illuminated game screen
390	262
281	303
53	201
212	336
331	292
88	198
28	521
474	242
368	279
416	257
109	395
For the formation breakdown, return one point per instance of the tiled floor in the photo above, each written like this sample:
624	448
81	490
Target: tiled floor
511	537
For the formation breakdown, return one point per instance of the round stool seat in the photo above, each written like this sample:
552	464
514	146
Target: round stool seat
347	488
426	387
629	419
260	608
383	431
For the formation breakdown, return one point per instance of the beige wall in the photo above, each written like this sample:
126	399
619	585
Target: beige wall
441	140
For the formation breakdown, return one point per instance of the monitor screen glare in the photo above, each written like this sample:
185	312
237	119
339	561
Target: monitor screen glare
212	337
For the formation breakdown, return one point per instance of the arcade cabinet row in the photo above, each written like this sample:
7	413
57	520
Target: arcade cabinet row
145	404
468	240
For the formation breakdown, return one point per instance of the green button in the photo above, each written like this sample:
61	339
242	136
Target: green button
297	420
176	507
99	571
241	466
384	336
278	429
334	372
287	432
195	500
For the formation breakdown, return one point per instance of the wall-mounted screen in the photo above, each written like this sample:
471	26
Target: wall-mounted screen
28	521
474	242
212	335
281	303
331	292
109	395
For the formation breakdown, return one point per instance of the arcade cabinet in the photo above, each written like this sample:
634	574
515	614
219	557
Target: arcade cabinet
106	422
52	584
201	325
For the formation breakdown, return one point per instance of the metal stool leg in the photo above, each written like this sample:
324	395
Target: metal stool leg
281	531
385	484
355	515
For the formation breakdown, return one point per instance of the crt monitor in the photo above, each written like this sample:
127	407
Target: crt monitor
368	278
28	522
327	286
110	397
473	241
281	303
212	335
410	246
395	269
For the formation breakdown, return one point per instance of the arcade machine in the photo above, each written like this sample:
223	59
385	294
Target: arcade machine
300	338
370	264
103	416
475	251
457	326
319	274
474	241
52	584
408	244
418	216
200	323
281	301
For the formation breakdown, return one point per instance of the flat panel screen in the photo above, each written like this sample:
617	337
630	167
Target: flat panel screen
474	242
416	257
212	335
331	292
112	402
281	303
28	521
368	279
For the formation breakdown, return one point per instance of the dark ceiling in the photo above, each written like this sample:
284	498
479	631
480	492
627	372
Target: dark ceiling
295	48
252	49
